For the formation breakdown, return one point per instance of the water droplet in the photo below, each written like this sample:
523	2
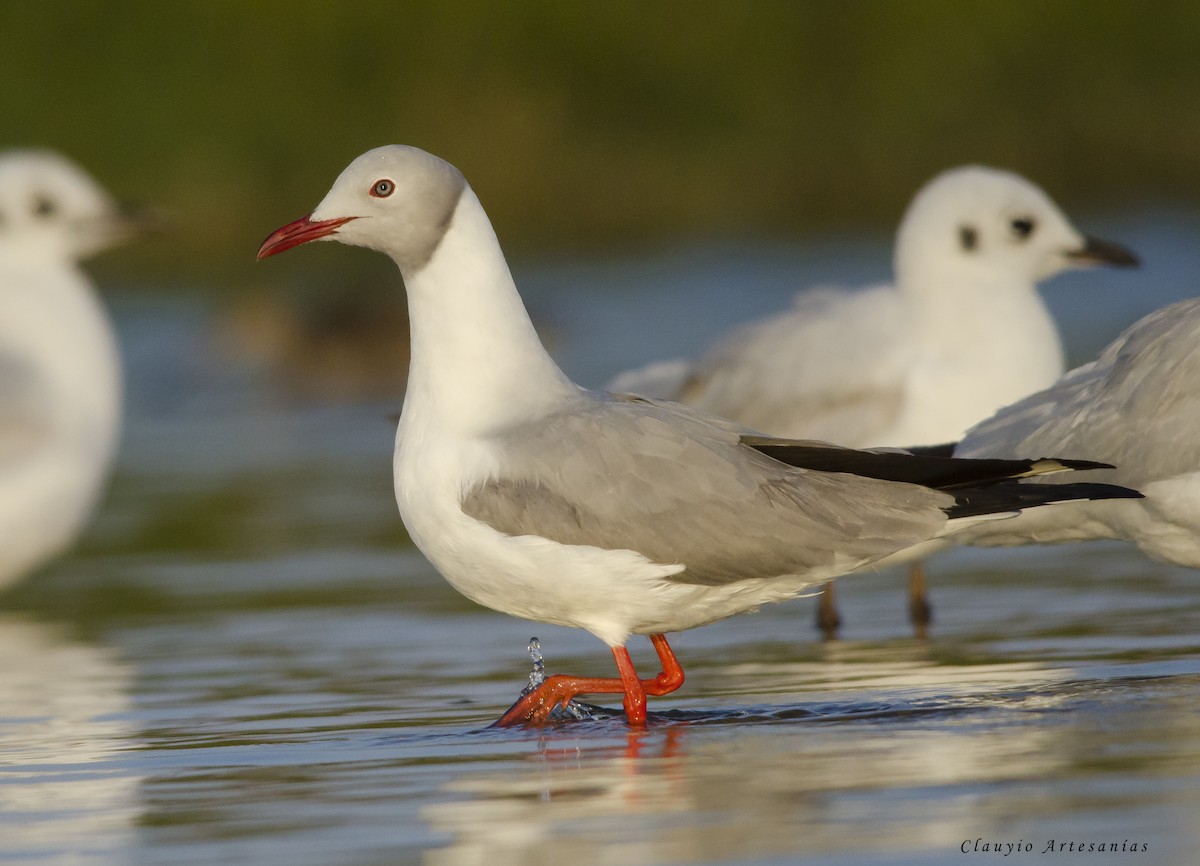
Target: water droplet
537	675
574	709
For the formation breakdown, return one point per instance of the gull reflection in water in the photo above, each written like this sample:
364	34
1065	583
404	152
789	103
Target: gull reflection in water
874	758
64	721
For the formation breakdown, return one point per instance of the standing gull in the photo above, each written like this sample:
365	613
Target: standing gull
621	516
60	377
962	332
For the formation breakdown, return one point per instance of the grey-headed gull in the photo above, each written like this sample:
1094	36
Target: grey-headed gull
621	516
60	376
1138	406
960	333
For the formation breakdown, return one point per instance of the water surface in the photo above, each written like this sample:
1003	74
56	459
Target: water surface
246	662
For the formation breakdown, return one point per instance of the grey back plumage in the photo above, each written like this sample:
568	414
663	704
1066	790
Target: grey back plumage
671	484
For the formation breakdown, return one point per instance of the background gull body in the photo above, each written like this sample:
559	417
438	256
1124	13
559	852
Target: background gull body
1138	406
961	332
60	376
540	499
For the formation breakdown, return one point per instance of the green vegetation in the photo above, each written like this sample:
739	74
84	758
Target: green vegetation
602	123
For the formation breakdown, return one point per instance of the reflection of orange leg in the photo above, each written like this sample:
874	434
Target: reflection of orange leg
558	691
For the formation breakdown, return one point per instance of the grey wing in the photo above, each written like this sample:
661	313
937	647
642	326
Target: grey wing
25	414
1136	406
830	368
660	479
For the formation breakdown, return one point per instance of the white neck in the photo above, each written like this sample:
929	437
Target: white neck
959	305
476	361
982	341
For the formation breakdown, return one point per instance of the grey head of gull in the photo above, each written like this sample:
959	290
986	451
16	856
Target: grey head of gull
621	516
1138	406
960	332
60	377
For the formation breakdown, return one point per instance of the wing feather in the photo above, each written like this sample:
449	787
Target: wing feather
829	368
666	482
26	419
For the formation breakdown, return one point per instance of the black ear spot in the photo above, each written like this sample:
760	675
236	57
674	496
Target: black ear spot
44	207
968	238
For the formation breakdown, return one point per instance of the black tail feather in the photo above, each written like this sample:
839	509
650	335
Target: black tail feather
1007	496
926	469
946	449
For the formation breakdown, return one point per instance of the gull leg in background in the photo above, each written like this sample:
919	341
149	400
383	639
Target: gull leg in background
920	611
828	618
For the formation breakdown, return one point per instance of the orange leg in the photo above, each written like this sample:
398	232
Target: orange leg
558	691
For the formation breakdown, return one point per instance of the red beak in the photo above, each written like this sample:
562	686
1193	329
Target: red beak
299	232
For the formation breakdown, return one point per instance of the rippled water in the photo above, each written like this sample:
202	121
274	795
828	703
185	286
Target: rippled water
246	662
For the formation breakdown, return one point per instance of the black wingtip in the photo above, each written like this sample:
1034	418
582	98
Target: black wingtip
1010	496
1079	465
932	467
946	449
1088	490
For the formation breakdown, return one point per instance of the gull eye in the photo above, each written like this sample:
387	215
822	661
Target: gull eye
383	188
1022	228
44	207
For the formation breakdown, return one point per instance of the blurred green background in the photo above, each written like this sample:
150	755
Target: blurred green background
599	125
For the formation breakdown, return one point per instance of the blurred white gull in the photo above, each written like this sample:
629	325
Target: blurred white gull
962	332
1137	406
60	376
543	500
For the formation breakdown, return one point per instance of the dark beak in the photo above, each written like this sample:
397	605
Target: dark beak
1097	252
139	219
299	232
116	226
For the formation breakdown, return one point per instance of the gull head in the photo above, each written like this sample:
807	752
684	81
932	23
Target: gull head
52	209
993	223
396	199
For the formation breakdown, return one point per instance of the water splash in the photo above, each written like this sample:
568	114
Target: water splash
574	709
537	675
